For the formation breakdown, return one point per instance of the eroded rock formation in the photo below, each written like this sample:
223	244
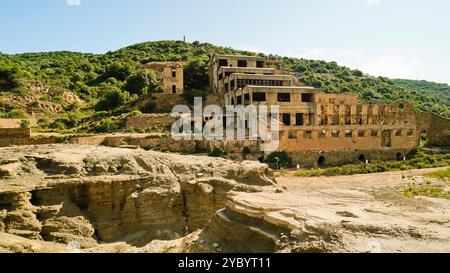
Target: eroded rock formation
91	194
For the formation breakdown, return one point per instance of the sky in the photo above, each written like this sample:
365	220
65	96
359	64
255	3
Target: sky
393	38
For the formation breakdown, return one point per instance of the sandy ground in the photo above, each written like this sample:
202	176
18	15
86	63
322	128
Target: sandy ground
359	181
376	203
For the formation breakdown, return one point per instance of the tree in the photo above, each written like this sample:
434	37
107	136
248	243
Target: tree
142	82
357	73
196	75
117	70
190	94
111	99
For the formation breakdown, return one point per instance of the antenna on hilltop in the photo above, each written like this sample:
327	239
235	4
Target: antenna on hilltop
184	39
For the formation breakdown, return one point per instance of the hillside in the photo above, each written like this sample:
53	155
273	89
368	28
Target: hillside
65	90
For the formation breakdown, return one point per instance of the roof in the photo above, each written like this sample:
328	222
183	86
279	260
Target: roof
159	66
283	87
239	56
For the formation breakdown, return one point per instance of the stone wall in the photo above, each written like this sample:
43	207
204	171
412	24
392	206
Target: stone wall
14	136
148	121
436	127
15	123
15	132
165	102
337	158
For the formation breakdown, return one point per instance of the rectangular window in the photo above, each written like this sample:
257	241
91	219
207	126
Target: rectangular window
174	89
348	133
299	121
361	133
242	63
223	62
239	100
260	64
410	133
287	119
284	97
398	133
335	133
292	135
259	96
174	74
374	133
307	97
322	134
307	134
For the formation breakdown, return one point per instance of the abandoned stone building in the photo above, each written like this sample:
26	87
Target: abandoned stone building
170	74
317	128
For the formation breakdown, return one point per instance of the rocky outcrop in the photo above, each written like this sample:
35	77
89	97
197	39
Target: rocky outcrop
91	194
331	220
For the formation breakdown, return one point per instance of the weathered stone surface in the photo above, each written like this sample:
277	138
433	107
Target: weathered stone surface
333	218
90	194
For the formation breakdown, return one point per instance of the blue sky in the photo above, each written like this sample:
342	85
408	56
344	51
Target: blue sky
395	38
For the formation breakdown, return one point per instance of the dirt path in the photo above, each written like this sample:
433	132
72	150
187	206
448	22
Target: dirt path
375	180
369	208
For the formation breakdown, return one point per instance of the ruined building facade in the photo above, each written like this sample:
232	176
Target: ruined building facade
170	75
317	128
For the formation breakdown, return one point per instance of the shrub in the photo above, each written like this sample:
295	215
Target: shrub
25	123
112	99
357	73
101	114
149	107
420	161
445	174
282	159
246	151
216	153
108	126
143	82
15	114
190	94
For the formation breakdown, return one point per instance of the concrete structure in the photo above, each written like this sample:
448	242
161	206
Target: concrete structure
171	75
317	128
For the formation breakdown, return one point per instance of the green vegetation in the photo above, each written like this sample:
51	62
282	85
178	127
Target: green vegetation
414	190
190	94
15	114
108	126
280	159
332	78
111	99
25	123
114	83
246	151
419	161
444	174
435	97
216	153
